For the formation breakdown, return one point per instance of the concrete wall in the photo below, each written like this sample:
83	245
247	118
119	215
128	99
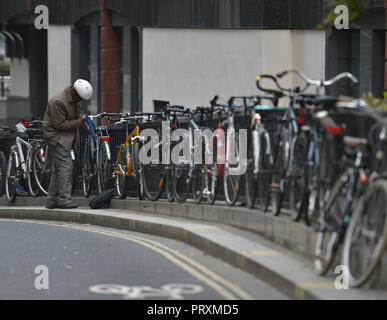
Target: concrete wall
190	66
59	58
20	79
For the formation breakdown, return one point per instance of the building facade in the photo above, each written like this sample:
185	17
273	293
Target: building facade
139	54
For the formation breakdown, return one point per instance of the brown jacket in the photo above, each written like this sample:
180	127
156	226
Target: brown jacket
62	115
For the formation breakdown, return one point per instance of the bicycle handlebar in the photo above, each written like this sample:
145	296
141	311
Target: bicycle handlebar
276	93
320	83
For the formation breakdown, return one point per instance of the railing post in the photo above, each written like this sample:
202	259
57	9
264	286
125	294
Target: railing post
2	87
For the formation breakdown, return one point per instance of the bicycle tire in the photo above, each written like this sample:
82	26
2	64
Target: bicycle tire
41	167
213	184
87	170
168	186
137	165
120	175
320	193
232	183
11	171
278	171
3	166
361	215
327	242
298	188
105	170
264	175
181	182
198	179
32	183
250	185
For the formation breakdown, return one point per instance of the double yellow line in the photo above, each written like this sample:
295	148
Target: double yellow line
223	287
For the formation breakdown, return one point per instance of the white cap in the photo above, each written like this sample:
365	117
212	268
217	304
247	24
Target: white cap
84	89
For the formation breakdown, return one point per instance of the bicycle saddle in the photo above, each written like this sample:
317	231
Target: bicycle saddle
354	142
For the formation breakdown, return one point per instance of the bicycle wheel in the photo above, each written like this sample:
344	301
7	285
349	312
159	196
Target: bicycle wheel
264	175
231	181
213	183
3	168
168	186
87	169
105	171
138	170
181	182
280	163
321	179
41	168
153	181
11	177
298	189
250	184
328	234
198	183
120	175
366	236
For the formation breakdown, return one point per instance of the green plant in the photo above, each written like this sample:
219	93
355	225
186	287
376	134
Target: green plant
355	7
376	102
4	68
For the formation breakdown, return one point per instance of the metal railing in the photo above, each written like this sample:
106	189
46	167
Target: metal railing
5	84
355	125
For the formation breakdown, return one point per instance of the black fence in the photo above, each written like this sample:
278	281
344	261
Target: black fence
355	124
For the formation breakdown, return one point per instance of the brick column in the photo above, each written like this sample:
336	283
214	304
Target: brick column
110	63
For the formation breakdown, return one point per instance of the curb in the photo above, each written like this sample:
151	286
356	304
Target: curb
279	270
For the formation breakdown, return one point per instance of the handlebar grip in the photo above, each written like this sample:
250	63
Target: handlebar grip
277	93
178	107
282	74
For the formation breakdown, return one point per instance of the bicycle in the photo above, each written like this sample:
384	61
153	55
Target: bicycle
366	235
96	160
18	178
260	155
158	177
206	177
128	164
234	162
284	139
3	163
312	166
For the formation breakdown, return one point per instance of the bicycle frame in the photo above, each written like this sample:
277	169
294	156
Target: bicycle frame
20	159
130	141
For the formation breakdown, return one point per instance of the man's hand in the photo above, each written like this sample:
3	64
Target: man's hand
82	118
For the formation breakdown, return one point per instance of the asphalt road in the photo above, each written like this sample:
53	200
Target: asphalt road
55	260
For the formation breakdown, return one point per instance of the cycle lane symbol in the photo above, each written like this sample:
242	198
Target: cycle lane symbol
169	291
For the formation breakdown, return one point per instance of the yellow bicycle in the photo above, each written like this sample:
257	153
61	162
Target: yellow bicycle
128	165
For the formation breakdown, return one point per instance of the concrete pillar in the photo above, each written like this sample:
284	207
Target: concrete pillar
59	58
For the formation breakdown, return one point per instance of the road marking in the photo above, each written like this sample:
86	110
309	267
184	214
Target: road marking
300	287
214	285
198	227
171	291
208	272
260	253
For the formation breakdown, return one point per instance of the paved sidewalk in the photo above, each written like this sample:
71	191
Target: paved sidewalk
287	271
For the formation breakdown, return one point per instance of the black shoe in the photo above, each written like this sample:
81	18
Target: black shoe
68	206
51	206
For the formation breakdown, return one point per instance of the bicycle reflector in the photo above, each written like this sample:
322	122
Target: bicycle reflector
301	118
105	139
335	130
25	123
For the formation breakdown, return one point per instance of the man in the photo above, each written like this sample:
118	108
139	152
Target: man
61	126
